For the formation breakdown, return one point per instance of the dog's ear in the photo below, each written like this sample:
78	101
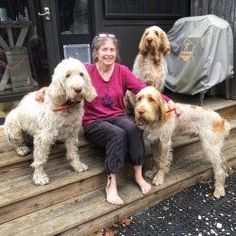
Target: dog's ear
161	111
160	108
141	46
165	44
90	92
56	92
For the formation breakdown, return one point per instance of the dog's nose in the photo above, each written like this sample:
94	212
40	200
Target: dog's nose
149	83
78	90
149	40
141	111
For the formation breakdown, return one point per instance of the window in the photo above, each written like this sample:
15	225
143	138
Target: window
73	16
143	8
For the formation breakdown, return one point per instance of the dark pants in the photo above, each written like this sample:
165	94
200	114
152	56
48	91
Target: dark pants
121	138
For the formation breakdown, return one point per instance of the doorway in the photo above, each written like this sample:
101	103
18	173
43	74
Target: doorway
66	25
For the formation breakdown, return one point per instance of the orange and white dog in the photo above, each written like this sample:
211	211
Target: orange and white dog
160	123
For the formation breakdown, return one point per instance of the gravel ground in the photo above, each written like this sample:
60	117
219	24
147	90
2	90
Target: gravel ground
191	212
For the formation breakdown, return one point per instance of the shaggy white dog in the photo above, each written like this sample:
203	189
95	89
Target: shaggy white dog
150	63
57	118
160	123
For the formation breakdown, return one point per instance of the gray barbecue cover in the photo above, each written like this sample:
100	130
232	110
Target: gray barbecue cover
201	54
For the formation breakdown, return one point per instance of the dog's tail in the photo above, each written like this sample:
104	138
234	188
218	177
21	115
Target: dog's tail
226	126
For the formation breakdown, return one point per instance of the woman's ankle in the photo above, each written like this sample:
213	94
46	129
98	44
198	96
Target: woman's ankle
143	184
111	191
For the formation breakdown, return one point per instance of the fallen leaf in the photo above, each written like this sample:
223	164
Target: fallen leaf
126	221
110	232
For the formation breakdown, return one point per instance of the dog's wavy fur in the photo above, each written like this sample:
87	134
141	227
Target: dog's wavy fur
150	63
43	121
160	123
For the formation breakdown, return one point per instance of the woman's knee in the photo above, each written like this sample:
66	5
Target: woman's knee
131	128
119	134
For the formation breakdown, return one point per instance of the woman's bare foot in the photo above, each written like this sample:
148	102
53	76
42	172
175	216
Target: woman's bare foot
143	184
111	191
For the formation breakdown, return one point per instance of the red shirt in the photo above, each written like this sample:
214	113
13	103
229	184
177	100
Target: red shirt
109	101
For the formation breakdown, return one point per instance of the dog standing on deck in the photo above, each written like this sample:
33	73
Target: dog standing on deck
160	123
150	63
59	117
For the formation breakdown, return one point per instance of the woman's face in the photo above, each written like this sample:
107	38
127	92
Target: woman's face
106	54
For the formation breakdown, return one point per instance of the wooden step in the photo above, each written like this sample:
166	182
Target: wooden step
88	212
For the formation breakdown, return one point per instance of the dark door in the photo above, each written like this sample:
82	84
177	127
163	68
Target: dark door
65	23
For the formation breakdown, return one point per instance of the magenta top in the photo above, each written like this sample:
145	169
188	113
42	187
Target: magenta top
110	94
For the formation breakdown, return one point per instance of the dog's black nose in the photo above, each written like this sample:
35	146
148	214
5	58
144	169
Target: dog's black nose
149	83
149	40
78	90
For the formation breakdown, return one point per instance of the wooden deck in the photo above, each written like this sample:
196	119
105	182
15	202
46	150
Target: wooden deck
74	204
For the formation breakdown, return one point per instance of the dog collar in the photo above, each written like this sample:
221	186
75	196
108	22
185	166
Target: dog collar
173	109
166	104
65	106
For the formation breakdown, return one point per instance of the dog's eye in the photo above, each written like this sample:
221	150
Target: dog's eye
138	98
157	33
68	75
81	74
151	99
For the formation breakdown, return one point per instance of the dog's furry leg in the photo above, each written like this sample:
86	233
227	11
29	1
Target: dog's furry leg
73	155
156	152
15	137
212	148
41	152
163	161
220	173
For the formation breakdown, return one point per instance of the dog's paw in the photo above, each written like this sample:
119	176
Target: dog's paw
158	179
219	192
23	151
149	174
79	166
40	179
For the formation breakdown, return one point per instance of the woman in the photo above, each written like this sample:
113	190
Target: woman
105	122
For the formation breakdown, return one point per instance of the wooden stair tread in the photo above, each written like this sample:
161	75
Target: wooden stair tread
8	156
215	103
218	103
79	210
17	189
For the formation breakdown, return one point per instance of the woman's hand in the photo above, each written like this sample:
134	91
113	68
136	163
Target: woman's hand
175	106
40	94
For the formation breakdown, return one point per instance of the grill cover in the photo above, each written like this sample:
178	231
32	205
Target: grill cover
201	54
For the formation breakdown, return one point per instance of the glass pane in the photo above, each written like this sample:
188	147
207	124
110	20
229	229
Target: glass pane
124	6
142	7
73	16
